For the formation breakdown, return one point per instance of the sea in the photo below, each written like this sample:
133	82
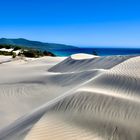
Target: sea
98	51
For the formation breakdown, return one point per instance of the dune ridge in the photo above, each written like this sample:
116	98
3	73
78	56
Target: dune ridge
95	98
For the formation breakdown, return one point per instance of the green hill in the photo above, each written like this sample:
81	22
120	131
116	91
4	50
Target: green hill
36	44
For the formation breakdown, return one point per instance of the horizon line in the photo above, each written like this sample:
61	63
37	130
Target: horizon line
80	46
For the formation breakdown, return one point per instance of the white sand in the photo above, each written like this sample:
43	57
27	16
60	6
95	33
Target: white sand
81	56
75	98
4	59
6	50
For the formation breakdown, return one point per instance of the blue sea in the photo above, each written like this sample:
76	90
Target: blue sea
99	51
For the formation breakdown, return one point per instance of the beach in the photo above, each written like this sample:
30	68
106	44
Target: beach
80	97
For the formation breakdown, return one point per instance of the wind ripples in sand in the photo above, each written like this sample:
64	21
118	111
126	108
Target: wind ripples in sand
96	98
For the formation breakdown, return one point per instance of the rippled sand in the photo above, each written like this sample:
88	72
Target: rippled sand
82	97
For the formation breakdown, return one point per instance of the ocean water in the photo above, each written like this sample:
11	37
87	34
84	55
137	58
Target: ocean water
99	51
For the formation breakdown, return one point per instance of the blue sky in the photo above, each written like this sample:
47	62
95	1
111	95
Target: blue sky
77	22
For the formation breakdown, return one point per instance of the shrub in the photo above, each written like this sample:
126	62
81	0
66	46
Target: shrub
27	53
5	46
17	48
13	55
48	53
8	46
32	53
5	53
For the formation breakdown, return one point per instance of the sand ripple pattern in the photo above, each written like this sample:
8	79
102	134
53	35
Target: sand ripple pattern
100	100
72	65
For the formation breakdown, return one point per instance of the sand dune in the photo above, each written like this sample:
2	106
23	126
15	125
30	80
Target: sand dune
71	98
72	65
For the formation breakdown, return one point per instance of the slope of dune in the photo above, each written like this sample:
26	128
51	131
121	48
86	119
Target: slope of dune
72	65
71	98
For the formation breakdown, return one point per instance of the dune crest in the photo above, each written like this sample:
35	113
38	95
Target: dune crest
82	56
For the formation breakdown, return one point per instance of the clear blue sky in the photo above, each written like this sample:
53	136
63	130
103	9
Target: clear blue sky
77	22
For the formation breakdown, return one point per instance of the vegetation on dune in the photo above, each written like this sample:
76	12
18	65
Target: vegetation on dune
46	53
8	46
32	53
14	55
5	53
36	53
17	48
27	52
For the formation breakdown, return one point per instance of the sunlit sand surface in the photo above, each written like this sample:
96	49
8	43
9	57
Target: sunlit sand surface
82	97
